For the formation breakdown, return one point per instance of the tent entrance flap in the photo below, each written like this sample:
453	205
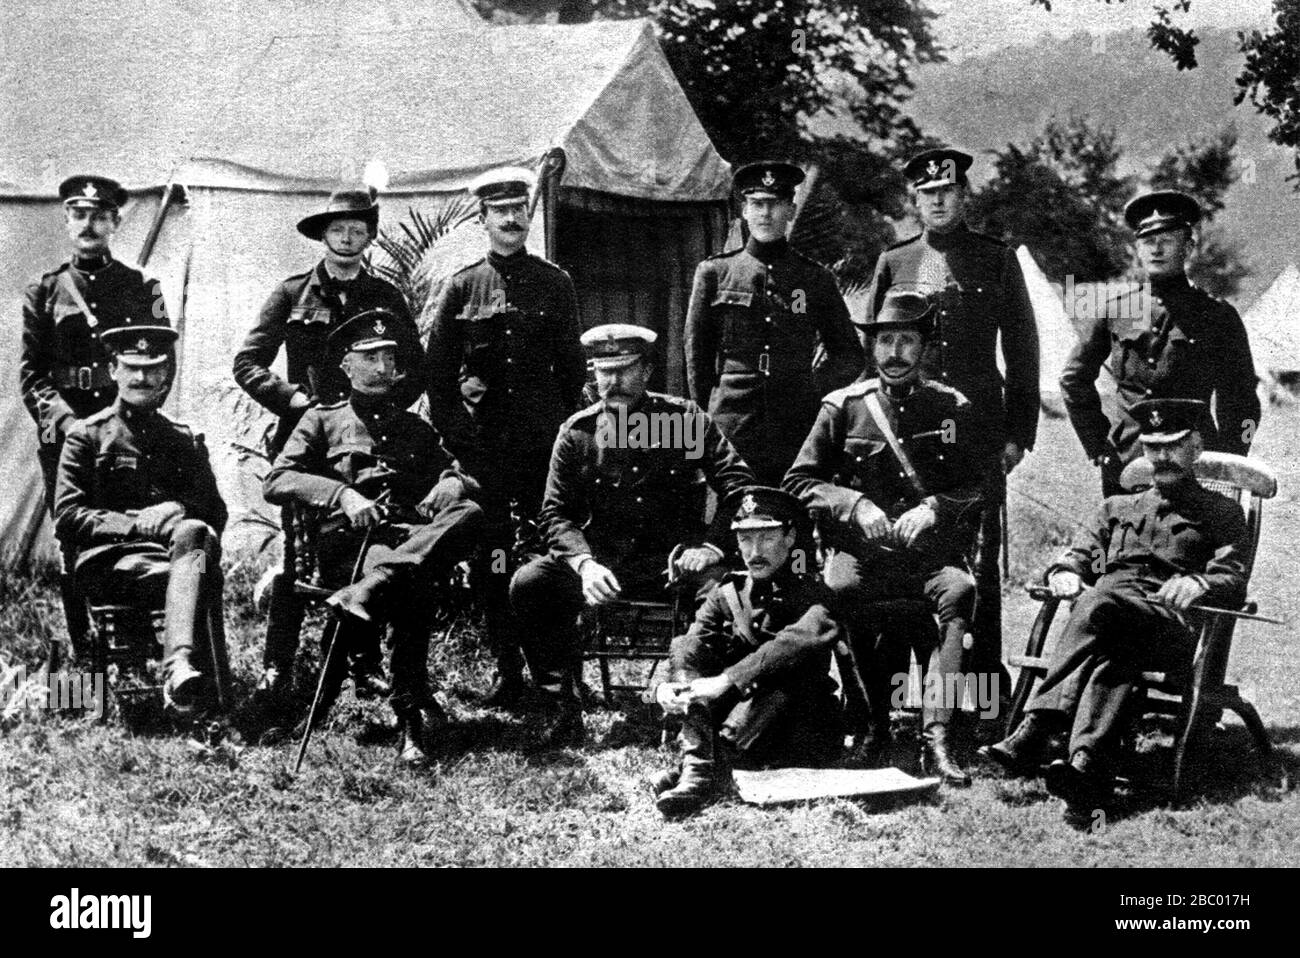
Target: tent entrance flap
633	261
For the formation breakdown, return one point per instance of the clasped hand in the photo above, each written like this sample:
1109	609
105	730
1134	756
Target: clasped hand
904	530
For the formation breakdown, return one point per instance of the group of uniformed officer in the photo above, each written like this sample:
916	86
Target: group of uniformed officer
893	443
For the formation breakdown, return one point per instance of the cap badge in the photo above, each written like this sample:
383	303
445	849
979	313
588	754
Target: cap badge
90	191
379	327
769	179
748	506
932	168
1155	418
142	345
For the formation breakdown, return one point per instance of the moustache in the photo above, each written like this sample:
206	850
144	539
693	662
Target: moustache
512	229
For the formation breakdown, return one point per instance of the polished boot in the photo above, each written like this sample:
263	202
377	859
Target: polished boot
358	599
77	616
183	683
871	749
660	782
1023	751
697	785
365	665
1081	782
938	761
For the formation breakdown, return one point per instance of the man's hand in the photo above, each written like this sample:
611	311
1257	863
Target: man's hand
447	491
690	561
363	513
872	520
704	691
299	401
598	584
1011	456
1065	584
673	697
157	521
1180	592
913	522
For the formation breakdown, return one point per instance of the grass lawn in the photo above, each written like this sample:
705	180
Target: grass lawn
74	792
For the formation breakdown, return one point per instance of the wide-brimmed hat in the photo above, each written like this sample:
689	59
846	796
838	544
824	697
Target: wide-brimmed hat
350	204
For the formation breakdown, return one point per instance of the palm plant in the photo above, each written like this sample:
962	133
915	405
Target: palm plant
411	259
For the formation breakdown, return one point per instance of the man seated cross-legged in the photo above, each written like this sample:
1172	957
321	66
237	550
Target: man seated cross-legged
1147	559
380	473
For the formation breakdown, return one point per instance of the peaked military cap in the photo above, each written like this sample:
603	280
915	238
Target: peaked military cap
902	309
1167	420
348	204
935	168
140	345
87	191
373	329
773	178
503	187
764	507
1160	211
615	345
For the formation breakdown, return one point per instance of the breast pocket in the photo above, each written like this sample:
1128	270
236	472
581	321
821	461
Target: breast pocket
733	310
120	479
861	456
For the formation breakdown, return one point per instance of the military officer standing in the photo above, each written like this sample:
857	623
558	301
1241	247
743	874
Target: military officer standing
753	671
627	484
376	471
982	300
506	368
1160	551
137	505
300	315
767	332
1171	340
64	371
889	471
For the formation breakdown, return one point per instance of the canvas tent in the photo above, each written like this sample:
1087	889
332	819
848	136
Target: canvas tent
1273	325
255	111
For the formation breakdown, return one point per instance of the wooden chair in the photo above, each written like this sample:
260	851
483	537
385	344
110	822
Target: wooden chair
1197	698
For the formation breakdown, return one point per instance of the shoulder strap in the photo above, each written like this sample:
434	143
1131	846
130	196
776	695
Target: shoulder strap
65	280
739	614
882	423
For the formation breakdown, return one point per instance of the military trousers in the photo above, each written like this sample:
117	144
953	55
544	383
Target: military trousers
547	594
879	639
184	576
794	723
405	559
1112	637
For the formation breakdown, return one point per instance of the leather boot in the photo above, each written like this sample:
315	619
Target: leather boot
1081	781
77	616
411	750
357	599
185	615
938	761
365	664
1022	752
871	749
697	785
563	728
183	688
660	782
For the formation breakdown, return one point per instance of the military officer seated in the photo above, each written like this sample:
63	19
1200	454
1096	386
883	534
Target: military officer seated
751	677
380	475
627	484
137	503
1147	559
890	473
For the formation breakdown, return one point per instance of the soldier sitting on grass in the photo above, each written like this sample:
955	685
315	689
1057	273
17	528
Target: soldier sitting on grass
751	677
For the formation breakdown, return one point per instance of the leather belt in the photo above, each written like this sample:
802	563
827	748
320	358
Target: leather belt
84	378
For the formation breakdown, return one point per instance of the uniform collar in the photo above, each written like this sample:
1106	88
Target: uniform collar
89	264
365	404
513	261
954	237
897	393
767	252
1163	286
321	278
136	416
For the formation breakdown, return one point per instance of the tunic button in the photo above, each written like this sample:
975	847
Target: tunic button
95	394
94	305
639	499
636	468
769	319
902	475
859	458
509	360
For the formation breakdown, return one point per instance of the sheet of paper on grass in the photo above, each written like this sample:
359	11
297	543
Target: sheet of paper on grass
774	786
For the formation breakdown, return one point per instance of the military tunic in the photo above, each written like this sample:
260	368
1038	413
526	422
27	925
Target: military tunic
781	708
373	446
1137	543
64	370
756	321
627	499
300	314
981	296
1191	346
114	464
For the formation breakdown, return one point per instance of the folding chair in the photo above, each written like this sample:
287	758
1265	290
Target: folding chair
1198	698
638	631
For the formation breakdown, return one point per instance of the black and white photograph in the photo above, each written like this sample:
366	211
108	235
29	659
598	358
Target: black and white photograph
638	434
